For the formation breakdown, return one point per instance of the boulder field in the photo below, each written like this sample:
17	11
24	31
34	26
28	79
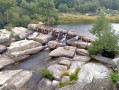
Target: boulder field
20	43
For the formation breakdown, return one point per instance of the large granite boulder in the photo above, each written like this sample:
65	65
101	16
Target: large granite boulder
63	52
82	58
5	60
83	45
33	26
15	77
57	70
5	36
42	38
22	45
105	60
82	52
54	44
21	32
92	71
2	48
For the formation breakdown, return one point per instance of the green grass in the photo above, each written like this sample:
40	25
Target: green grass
66	18
64	74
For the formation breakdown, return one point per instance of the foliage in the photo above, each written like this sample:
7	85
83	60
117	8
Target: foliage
61	84
74	76
64	74
45	73
107	45
63	8
114	76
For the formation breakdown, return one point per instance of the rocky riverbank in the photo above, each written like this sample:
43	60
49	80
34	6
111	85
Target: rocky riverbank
69	50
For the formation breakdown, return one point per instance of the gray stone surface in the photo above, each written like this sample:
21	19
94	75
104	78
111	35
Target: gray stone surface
92	71
63	52
83	52
70	41
5	60
2	48
57	70
75	65
82	58
54	44
65	62
65	79
14	77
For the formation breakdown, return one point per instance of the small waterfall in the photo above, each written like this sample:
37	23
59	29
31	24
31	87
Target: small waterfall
77	37
58	37
64	37
46	47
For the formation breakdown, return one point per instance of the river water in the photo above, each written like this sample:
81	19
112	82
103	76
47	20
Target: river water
39	60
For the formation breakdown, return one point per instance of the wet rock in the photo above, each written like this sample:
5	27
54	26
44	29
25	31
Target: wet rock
82	52
99	84
65	79
20	58
117	85
63	52
82	58
42	38
83	45
92	71
5	36
5	60
75	65
105	60
2	48
22	45
54	44
65	62
57	70
70	41
21	32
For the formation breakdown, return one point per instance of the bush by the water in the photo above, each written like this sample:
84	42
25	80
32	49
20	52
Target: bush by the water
45	73
107	43
114	76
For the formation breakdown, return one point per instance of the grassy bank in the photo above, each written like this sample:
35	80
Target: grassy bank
65	18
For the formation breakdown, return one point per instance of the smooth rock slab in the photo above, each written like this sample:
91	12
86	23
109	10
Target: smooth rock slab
54	44
22	45
14	77
57	70
63	52
2	48
82	52
92	71
5	60
82	58
75	65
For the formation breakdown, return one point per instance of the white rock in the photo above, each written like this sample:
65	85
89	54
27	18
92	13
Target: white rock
65	79
92	71
65	62
5	35
82	52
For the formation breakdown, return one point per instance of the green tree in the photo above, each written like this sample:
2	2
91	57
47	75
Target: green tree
107	43
63	8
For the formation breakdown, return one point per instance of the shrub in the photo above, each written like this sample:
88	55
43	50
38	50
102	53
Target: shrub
45	73
114	76
64	74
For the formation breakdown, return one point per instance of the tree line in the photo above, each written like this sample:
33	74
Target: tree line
23	12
